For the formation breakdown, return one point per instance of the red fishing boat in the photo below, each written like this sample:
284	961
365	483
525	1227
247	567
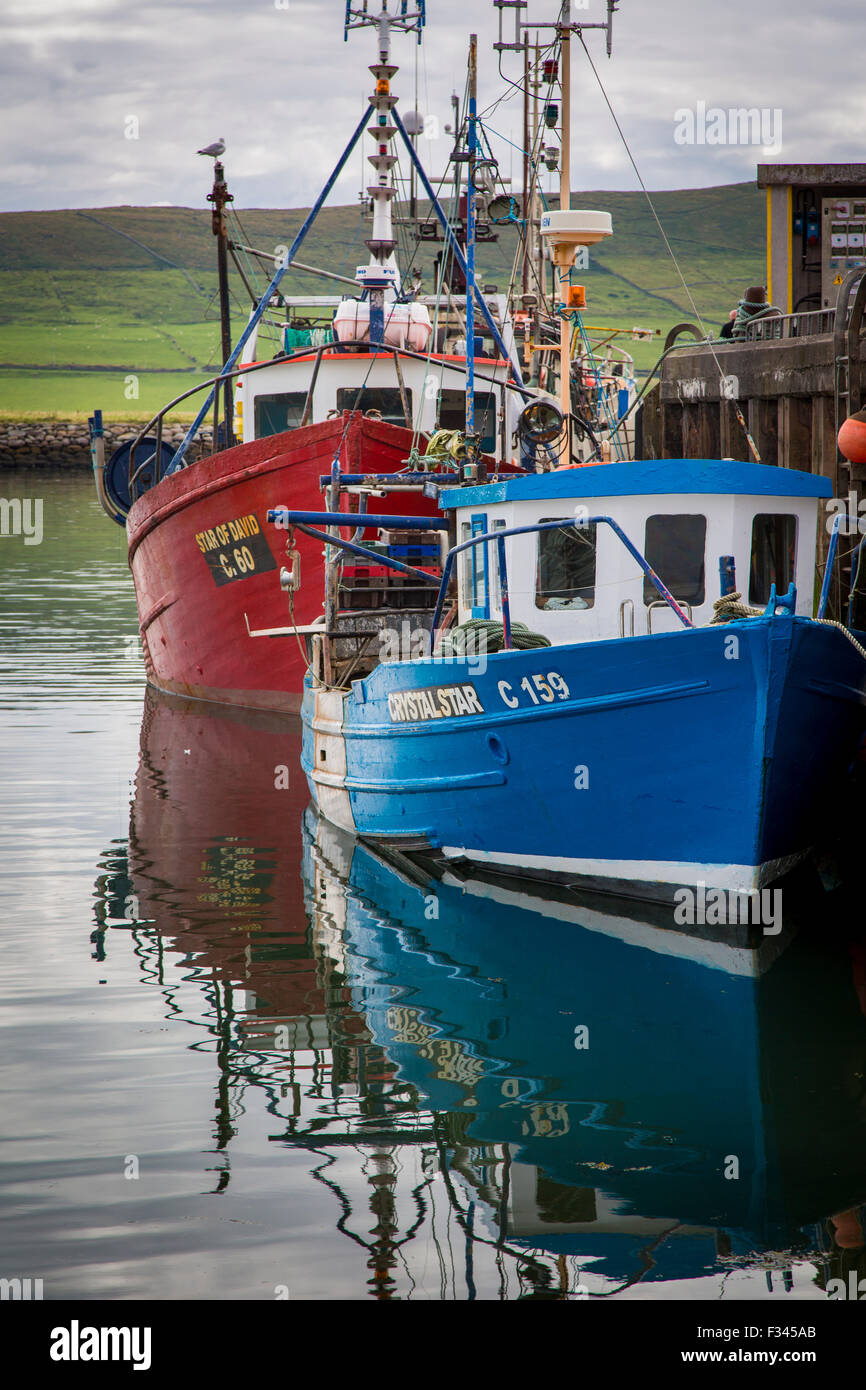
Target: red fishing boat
352	395
206	567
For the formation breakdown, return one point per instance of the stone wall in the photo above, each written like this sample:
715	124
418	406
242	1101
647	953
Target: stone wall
66	443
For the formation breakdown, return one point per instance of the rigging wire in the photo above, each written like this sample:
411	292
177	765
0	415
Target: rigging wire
352	242
433	336
544	53
708	339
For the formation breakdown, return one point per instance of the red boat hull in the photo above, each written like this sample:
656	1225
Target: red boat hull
206	564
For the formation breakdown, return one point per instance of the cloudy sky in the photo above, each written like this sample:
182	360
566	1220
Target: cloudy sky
276	80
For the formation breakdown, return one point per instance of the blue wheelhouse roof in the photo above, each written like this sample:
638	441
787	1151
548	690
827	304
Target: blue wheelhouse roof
648	477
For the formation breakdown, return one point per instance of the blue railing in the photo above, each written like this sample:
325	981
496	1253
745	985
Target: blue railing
306	522
854	521
500	536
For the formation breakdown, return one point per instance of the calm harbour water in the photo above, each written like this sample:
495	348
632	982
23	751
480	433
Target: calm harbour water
244	1058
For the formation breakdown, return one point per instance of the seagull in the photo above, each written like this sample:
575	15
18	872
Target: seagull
214	150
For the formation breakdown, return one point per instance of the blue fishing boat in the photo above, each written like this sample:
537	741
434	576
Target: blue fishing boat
591	703
616	719
591	697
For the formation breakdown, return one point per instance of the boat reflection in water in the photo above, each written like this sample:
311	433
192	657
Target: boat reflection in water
590	1102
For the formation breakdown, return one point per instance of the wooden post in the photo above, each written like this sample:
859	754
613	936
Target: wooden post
219	197
794	432
725	429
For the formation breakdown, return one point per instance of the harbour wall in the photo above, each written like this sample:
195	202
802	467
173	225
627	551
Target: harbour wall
66	443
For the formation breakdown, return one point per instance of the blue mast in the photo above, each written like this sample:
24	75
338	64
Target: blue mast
470	251
456	249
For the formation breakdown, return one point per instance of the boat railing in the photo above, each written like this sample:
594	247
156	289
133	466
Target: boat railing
659	603
221	378
307	523
812	323
499	538
336	348
852	526
845	317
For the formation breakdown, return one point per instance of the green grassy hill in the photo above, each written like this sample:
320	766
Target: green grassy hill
90	298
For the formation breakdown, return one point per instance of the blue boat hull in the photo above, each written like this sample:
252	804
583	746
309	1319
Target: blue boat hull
704	756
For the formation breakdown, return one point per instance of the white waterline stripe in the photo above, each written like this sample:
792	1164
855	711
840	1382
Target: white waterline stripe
714	955
738	877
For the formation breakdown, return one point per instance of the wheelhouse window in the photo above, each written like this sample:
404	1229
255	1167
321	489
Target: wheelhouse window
475	591
452	415
566	566
675	547
773	555
273	414
387	400
495	594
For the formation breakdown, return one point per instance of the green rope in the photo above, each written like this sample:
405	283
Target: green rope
485	635
447	445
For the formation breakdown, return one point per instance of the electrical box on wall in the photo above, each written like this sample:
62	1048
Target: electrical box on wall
843	243
816	231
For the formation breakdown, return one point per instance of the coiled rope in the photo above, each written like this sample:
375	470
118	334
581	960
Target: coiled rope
729	609
485	635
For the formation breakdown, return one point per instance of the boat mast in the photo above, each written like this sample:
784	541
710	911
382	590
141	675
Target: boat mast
381	273
564	30
564	27
535	246
219	197
382	276
471	440
564	205
526	213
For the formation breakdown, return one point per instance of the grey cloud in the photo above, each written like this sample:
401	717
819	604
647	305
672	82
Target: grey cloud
285	91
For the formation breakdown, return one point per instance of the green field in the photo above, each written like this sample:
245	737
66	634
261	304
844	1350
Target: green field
89	298
69	395
124	346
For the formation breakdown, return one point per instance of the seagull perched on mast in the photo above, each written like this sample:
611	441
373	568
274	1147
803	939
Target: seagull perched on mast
214	150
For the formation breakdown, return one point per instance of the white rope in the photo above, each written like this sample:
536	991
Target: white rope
729	608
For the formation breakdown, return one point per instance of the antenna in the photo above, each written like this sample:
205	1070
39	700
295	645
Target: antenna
565	21
411	18
612	7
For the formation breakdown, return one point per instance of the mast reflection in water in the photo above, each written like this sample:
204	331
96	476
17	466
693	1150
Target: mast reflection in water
505	1095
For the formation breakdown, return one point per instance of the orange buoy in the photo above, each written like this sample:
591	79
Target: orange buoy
852	438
